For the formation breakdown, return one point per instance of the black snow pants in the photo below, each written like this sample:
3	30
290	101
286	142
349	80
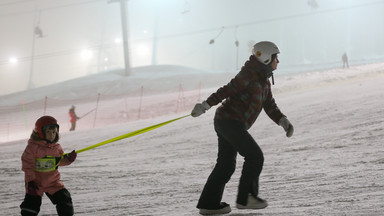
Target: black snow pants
62	199
233	137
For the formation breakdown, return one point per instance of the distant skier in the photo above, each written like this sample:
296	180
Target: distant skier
40	161
244	97
344	58
73	118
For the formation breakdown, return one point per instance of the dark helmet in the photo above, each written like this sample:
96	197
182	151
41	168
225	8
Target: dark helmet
43	122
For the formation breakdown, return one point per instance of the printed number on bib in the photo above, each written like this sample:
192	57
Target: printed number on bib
45	164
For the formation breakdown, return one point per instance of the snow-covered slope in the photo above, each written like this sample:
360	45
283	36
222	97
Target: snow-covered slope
333	164
161	78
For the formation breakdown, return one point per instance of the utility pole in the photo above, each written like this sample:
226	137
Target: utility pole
155	31
123	6
30	82
37	32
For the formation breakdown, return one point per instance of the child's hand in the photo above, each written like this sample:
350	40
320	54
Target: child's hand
32	188
72	156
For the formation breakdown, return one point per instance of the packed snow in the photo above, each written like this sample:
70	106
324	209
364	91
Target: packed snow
333	164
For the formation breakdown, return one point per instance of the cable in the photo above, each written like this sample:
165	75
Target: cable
44	9
68	52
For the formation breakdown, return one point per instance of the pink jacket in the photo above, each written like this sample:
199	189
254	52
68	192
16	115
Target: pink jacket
46	181
72	115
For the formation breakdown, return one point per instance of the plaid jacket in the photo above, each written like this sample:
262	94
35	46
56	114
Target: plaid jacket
246	95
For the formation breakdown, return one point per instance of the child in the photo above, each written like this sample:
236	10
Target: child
73	118
40	161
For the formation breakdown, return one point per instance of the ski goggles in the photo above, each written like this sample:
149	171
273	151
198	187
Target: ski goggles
51	127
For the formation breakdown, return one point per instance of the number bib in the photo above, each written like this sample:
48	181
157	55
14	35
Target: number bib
45	164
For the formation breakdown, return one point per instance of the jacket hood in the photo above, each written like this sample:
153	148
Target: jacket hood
264	72
36	138
41	142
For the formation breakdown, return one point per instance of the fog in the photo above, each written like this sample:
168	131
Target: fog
83	37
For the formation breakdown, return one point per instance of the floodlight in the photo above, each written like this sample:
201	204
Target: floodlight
13	60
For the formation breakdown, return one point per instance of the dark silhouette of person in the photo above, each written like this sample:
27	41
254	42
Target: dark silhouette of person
345	60
73	118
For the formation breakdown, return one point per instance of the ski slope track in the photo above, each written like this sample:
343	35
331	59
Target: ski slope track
333	164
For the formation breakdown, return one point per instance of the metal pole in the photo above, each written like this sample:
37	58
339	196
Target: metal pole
45	105
97	106
123	11
141	100
30	82
35	24
155	31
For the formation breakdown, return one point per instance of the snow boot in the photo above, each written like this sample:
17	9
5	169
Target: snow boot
253	203
224	208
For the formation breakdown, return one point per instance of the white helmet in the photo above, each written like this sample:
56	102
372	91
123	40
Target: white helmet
264	50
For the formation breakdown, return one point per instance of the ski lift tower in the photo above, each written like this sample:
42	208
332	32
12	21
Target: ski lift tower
37	33
123	11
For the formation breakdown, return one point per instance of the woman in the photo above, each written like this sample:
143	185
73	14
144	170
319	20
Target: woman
244	98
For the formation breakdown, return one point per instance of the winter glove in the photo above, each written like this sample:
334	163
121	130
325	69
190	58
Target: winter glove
288	127
32	188
200	108
72	156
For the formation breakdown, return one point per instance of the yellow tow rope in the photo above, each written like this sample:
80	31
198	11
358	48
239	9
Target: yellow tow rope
131	134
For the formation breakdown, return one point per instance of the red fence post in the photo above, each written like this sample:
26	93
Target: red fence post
198	99
182	97
8	132
25	115
178	100
97	105
45	105
126	116
141	99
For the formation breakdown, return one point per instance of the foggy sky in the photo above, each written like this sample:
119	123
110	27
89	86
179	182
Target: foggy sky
181	29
